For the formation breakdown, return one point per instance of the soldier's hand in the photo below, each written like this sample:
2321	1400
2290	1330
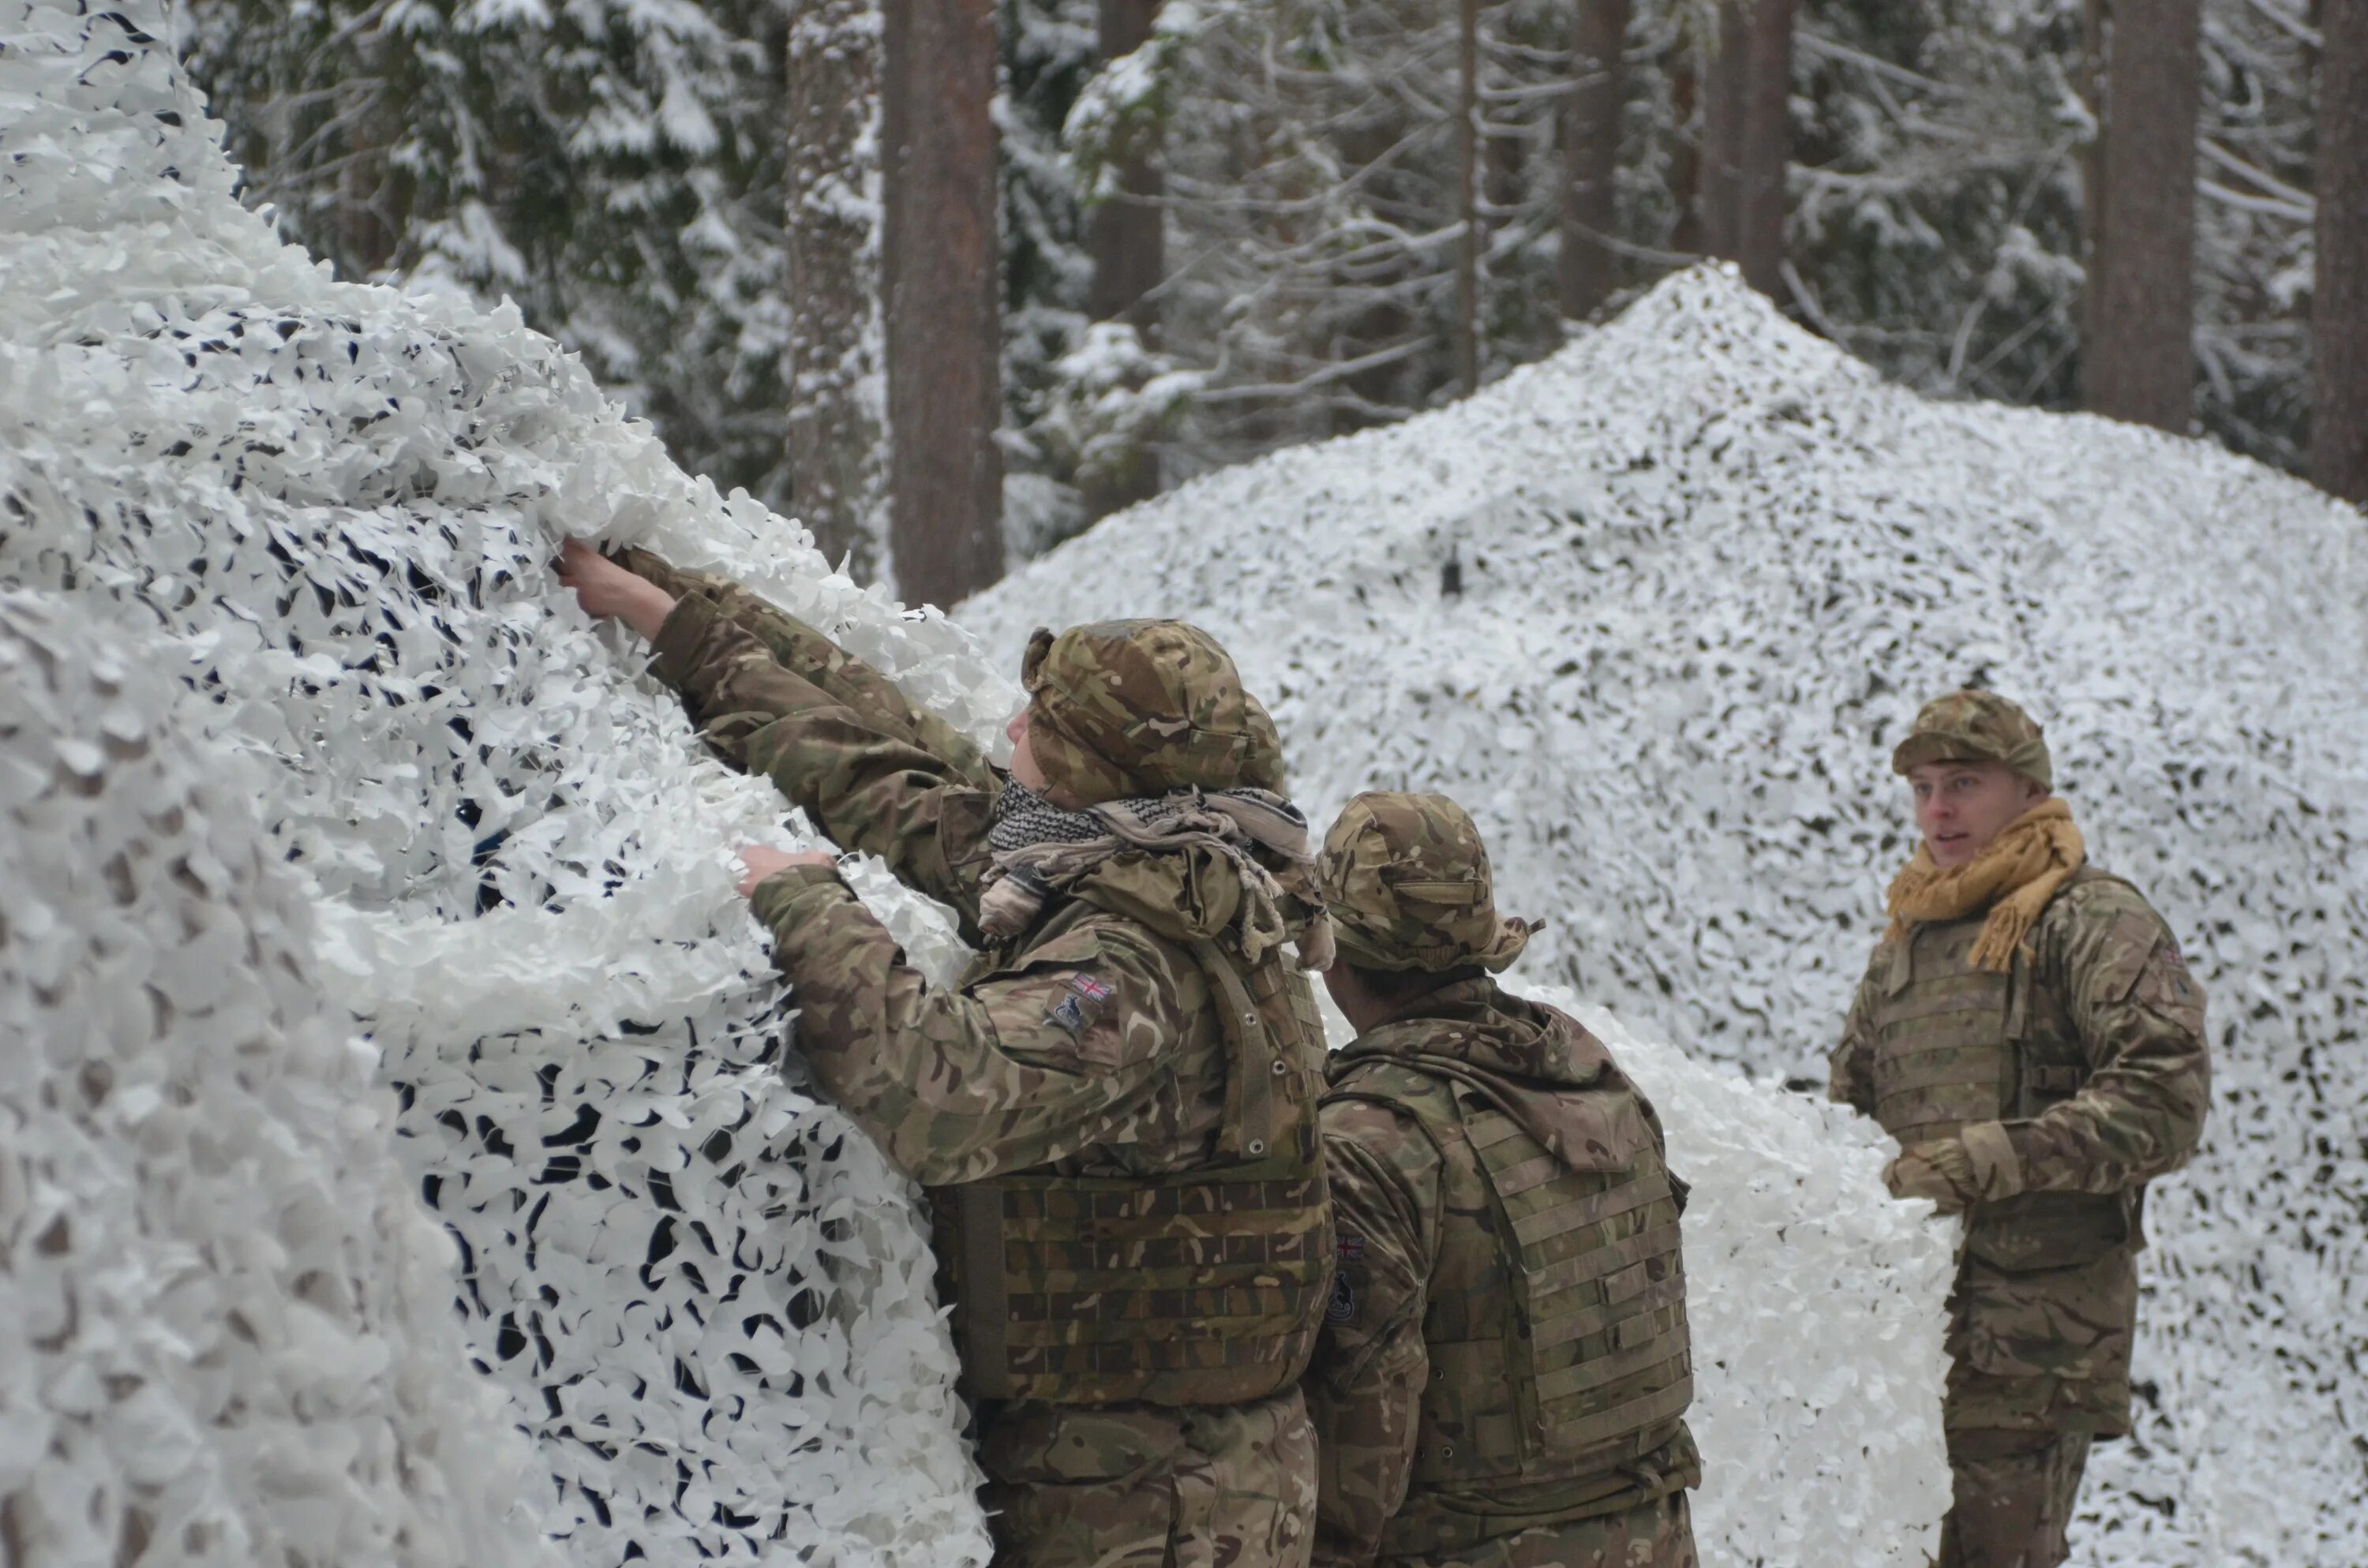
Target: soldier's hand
1940	1171
758	862
604	588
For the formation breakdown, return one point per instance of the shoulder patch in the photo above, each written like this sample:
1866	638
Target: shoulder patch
1087	1000
1342	1307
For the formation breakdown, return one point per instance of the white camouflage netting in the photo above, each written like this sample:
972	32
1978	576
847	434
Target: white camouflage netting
225	1335
1708	567
328	509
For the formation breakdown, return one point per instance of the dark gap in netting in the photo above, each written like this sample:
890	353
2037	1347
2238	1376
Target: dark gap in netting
495	1140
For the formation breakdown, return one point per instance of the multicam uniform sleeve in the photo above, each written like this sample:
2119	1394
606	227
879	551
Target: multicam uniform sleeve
1849	1070
1364	1386
1026	1067
838	739
2140	1018
800	649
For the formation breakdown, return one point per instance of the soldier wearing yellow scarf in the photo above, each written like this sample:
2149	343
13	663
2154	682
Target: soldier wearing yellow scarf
2028	1031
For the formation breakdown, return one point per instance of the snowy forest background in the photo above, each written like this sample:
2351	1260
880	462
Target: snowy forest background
1129	241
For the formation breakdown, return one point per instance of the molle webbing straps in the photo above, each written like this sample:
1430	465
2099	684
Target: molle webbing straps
1600	1343
1199	1287
1254	1059
1557	1337
1955	1044
1941	1057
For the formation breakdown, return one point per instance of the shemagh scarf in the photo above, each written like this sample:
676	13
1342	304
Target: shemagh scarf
1035	843
2014	878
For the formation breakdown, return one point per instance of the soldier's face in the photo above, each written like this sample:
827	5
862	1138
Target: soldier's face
1023	762
1961	806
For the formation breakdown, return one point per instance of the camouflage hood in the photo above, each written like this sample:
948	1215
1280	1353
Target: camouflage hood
1538	1065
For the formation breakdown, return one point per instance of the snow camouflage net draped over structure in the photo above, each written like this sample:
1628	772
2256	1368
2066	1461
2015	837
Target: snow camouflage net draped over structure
280	547
326	512
218	1285
1656	610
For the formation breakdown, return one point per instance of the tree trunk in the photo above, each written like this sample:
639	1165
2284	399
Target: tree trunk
837	425
1764	152
1687	187
1589	268
2140	362
1726	85
1127	239
944	281
1125	236
2338	421
2096	30
1467	195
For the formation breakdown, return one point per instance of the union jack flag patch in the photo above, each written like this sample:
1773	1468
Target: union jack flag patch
1092	990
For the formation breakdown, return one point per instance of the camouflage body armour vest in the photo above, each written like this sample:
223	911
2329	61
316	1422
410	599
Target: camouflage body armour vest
1955	1045
1557	1327
1200	1286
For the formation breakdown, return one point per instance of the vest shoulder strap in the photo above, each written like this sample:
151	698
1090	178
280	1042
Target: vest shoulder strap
1429	1099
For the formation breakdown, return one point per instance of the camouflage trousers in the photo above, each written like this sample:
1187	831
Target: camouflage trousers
1150	1487
1659	1534
2014	1497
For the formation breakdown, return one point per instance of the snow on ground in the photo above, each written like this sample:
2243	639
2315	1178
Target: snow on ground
1655	609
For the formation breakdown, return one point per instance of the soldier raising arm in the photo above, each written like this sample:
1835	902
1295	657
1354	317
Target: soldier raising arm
1115	1108
2029	1032
1504	1370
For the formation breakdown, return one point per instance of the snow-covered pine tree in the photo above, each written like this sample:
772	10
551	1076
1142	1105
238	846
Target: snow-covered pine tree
1311	154
1936	196
615	167
1305	173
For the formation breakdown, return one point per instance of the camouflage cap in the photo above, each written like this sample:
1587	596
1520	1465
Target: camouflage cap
1122	708
1406	877
1976	726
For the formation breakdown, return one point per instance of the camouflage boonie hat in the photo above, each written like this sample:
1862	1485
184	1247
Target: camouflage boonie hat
1406	877
1122	708
1976	726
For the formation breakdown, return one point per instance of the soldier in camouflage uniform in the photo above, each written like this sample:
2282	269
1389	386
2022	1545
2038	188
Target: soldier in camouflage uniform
2029	1032
1504	1371
1115	1111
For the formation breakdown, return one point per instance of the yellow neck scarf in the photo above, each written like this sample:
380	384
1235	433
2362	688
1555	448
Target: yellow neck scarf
2014	878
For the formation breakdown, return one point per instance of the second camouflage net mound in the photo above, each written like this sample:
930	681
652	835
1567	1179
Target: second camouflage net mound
1655	609
477	942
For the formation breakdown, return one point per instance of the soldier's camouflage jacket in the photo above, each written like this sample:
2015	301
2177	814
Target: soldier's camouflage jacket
2075	1079
1471	1389
1097	1046
1089	1046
